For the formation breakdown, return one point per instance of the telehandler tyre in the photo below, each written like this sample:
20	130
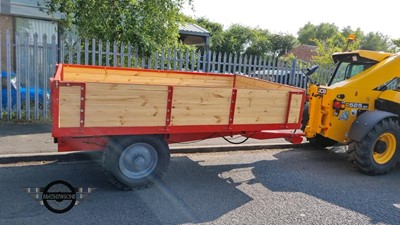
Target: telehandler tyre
135	162
379	151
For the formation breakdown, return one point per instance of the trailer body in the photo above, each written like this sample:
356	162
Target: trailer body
92	105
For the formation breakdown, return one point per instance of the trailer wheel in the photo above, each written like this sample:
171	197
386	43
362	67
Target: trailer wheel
379	150
135	162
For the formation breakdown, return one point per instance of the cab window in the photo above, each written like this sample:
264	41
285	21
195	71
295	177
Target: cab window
393	84
346	70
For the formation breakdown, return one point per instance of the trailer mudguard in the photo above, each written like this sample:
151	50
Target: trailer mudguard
365	122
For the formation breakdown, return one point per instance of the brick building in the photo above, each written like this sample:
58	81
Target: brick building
303	52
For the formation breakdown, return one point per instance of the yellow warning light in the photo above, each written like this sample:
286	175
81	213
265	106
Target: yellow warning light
351	37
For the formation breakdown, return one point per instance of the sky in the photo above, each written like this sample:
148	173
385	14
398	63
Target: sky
288	16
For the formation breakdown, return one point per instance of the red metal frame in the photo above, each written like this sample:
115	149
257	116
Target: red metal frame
288	108
109	131
233	106
100	142
290	102
66	144
95	138
55	96
169	107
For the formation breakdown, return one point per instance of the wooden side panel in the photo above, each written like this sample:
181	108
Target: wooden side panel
249	83
102	75
201	106
261	106
124	105
295	107
70	103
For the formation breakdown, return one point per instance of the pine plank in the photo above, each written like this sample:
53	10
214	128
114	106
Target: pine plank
295	107
205	119
201	106
133	76
69	121
69	107
144	112
123	121
260	119
260	106
125	105
246	82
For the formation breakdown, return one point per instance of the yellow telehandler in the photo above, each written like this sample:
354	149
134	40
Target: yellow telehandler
359	107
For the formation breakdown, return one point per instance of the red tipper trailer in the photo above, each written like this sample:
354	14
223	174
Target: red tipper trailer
132	114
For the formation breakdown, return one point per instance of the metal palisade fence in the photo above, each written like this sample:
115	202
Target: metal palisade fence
28	61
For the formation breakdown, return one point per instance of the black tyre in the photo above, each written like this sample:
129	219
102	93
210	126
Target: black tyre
135	162
379	151
321	141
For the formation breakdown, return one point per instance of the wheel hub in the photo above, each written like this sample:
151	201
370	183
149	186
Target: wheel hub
384	148
380	147
138	160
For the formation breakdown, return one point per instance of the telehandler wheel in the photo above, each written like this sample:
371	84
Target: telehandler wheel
135	162
379	150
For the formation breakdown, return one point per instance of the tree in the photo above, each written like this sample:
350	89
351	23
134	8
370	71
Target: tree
396	43
309	33
326	48
282	43
216	32
236	39
375	42
146	23
259	43
346	31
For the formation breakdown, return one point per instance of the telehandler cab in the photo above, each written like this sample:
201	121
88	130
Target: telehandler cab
359	107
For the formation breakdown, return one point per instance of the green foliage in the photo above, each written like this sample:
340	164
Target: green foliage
396	42
239	39
329	39
309	33
236	39
153	24
396	45
216	32
326	48
147	23
375	42
282	43
260	43
336	43
346	31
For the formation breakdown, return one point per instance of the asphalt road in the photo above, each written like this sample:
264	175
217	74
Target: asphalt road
289	186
